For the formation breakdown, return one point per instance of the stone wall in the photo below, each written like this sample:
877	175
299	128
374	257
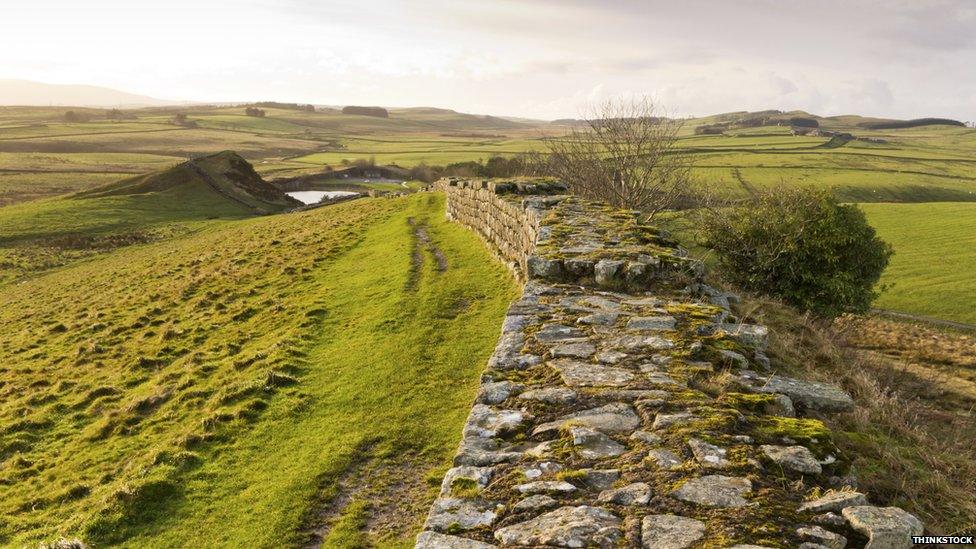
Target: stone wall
625	405
507	216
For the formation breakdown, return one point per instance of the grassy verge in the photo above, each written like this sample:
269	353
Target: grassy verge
221	396
910	439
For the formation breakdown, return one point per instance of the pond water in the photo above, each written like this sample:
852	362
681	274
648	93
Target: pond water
314	197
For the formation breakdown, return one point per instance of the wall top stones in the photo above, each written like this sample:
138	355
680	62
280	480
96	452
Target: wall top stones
625	406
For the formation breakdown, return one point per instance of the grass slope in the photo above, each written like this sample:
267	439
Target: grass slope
41	155
36	236
212	389
932	270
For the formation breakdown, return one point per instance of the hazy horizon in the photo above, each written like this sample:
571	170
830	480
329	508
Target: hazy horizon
542	59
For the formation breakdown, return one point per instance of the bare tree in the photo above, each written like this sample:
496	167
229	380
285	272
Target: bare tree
626	154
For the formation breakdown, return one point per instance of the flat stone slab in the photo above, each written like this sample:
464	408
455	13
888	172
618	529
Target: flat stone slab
599	319
583	374
540	468
599	479
517	323
652	323
546	487
461	513
483	451
814	395
638	493
535	503
665	459
822	536
435	540
834	501
592	444
715	491
750	335
485	421
552	395
598	302
663	421
582	526
574	350
641	342
616	417
557	332
610	357
646	437
793	458
497	392
670	532
709	455
885	527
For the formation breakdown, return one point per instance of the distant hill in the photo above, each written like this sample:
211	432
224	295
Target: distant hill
224	173
719	123
157	206
26	92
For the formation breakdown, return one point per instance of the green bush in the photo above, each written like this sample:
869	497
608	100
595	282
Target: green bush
801	245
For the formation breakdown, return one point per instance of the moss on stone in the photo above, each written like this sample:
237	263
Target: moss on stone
755	403
464	488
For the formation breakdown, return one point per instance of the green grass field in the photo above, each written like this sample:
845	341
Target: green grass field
932	270
223	389
42	156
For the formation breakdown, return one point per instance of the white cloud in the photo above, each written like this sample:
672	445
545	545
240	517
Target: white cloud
544	58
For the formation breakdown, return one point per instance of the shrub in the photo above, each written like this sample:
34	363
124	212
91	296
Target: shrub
378	112
76	116
801	245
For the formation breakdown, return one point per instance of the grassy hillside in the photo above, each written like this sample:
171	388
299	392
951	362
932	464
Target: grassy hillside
46	233
932	270
241	376
41	155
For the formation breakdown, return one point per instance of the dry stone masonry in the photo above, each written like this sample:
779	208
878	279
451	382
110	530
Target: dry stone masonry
601	419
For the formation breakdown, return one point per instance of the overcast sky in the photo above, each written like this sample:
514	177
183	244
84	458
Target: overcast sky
542	58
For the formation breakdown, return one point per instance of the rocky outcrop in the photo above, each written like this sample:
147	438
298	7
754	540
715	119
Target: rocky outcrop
600	422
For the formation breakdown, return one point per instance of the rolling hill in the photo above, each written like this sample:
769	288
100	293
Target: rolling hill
882	161
26	92
43	234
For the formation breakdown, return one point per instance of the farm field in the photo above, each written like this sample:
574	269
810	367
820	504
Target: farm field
219	393
932	270
42	156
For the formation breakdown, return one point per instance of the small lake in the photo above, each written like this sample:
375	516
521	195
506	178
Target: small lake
314	197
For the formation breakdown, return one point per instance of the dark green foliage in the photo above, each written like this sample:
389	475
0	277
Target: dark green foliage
804	122
76	117
897	124
801	245
378	112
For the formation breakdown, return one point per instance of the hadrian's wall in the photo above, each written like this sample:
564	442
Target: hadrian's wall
510	227
626	406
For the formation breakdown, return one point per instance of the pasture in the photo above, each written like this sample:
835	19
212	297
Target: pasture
932	270
218	394
41	156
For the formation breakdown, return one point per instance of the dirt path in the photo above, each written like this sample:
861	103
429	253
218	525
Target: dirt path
423	241
379	492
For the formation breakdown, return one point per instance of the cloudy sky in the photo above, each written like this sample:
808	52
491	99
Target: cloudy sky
534	58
